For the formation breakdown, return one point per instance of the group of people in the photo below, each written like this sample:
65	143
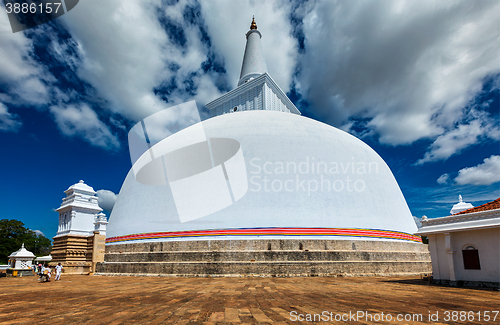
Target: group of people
46	270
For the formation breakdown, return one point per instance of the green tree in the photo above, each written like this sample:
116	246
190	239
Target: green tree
13	234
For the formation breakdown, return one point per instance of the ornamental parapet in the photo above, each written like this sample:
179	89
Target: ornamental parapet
474	216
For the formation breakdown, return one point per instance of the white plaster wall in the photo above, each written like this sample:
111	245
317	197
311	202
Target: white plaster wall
487	242
251	99
261	93
23	263
440	270
273	102
81	221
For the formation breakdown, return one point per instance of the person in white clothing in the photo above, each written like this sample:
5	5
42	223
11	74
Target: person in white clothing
47	271
59	268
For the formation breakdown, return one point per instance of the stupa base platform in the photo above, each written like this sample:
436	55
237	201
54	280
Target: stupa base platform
20	272
286	257
78	254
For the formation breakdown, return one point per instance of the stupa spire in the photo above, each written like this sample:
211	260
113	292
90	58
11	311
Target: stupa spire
254	63
260	92
253	25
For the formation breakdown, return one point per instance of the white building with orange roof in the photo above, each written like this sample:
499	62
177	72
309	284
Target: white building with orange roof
465	247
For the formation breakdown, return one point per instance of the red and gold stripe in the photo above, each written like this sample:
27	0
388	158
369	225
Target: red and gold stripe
344	232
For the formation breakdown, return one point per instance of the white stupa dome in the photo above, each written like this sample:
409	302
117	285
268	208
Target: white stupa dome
305	178
255	170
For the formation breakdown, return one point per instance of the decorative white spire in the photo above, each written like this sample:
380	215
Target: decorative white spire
460	206
253	61
256	90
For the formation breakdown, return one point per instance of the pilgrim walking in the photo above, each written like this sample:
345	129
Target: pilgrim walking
59	268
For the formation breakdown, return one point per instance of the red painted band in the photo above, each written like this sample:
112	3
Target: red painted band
349	232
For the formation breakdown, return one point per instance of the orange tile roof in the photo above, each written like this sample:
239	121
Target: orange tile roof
493	205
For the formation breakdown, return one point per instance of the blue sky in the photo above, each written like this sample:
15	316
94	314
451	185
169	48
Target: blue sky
417	80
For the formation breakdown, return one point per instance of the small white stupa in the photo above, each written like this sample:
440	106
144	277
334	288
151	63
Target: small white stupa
460	206
20	262
81	232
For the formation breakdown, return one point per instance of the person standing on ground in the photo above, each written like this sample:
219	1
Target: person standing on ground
59	268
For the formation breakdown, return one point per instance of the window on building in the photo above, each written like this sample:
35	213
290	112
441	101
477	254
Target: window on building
471	258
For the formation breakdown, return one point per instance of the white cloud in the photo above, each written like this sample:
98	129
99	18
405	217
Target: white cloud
80	120
408	67
8	121
39	233
486	173
126	54
122	52
443	179
24	78
459	138
106	199
448	195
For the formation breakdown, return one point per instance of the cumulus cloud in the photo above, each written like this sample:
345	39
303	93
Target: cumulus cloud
80	120
25	80
129	57
168	48
106	199
39	233
400	70
443	179
8	121
406	68
486	173
461	137
141	57
121	53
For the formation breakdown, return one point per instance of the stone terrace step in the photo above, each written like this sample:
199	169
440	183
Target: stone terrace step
267	256
268	244
297	268
262	257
